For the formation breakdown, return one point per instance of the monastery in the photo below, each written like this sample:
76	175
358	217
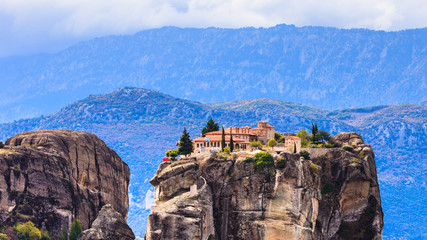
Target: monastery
242	136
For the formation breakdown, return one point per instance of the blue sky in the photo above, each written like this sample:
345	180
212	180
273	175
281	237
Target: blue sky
32	26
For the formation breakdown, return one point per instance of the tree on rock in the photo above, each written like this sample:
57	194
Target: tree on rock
211	126
304	137
75	230
185	144
231	143
324	136
314	133
223	140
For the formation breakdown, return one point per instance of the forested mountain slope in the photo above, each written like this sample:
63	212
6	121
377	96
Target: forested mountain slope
323	67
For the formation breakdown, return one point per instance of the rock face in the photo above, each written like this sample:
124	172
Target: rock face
109	225
51	177
333	196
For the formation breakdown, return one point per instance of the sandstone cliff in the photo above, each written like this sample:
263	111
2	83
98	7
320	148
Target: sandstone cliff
333	196
50	177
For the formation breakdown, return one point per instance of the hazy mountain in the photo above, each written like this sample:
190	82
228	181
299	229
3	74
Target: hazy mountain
142	124
323	67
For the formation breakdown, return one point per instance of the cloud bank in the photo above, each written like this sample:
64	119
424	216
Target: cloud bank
30	26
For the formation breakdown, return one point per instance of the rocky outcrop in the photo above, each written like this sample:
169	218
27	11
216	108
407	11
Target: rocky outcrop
214	196
51	177
109	225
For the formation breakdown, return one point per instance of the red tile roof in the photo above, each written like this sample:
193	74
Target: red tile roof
219	139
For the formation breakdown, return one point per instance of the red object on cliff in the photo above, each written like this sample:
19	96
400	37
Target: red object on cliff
165	159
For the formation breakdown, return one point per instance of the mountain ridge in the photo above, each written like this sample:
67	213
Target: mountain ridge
322	67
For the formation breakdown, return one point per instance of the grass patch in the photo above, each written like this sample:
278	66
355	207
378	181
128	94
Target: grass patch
224	155
314	169
355	161
348	148
174	164
7	152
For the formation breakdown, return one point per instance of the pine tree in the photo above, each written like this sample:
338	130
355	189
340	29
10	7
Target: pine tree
211	126
76	229
323	136
185	144
231	143
223	140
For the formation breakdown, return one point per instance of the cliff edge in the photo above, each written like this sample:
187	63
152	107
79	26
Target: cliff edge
50	177
335	195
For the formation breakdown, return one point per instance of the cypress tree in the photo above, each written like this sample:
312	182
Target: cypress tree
314	131
211	126
185	144
231	143
222	140
75	230
295	148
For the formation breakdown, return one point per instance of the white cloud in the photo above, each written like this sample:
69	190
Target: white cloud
48	25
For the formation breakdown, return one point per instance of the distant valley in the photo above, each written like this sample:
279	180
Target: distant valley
142	124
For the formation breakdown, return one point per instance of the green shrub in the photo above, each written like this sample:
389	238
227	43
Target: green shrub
1	145
279	138
281	163
327	188
227	150
76	229
361	155
305	154
348	148
45	235
172	154
272	143
355	161
64	234
255	144
329	145
248	160
3	236
174	164
314	169
28	231
263	160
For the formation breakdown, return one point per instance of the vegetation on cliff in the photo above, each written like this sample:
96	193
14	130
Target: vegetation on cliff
199	196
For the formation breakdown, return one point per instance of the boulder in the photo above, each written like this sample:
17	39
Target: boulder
109	225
